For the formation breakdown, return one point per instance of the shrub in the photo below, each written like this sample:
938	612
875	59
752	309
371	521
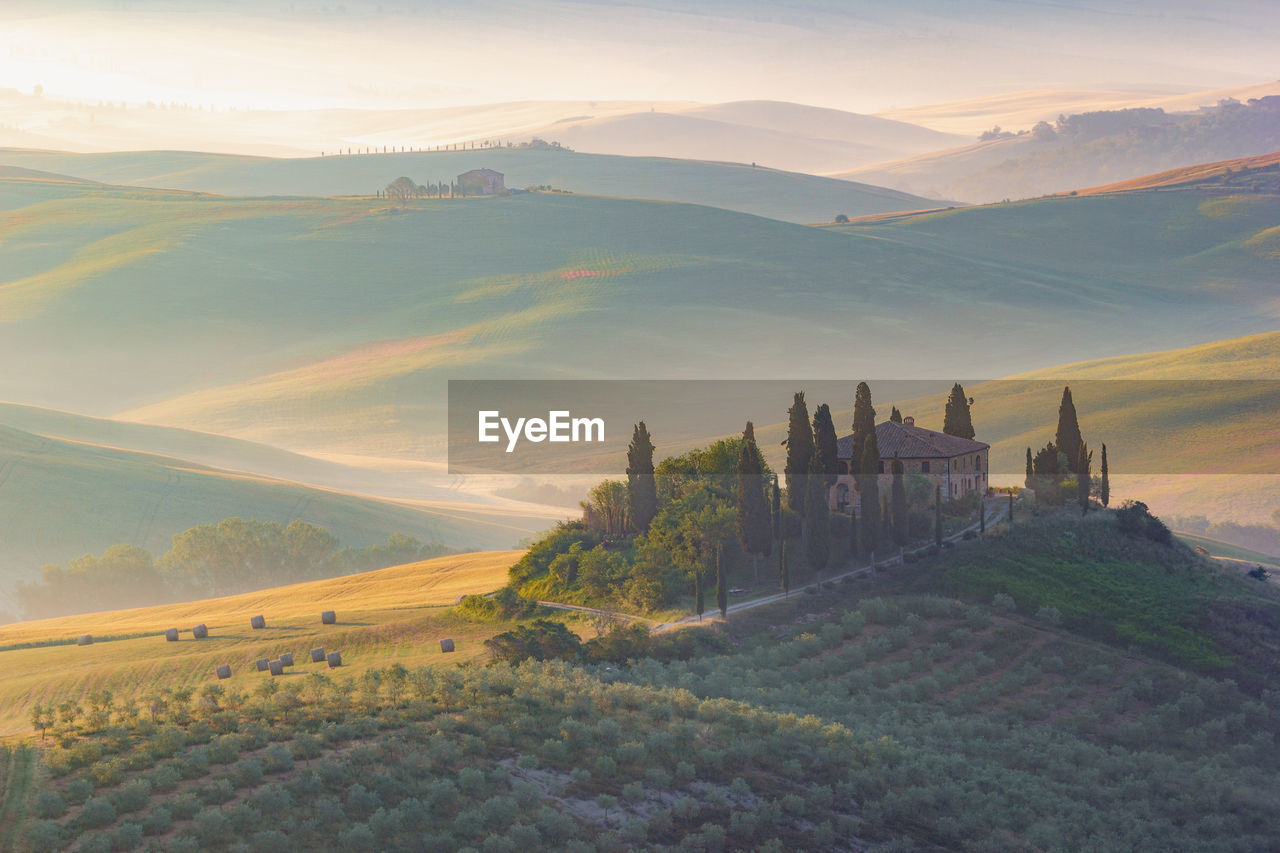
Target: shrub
1004	603
98	812
44	836
157	821
49	805
505	605
132	796
127	837
1049	616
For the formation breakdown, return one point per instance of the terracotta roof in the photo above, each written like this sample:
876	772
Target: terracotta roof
913	442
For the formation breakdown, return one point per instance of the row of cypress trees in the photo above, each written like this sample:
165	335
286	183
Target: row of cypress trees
811	469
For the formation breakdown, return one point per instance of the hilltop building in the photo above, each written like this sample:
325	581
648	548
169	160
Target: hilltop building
481	182
957	464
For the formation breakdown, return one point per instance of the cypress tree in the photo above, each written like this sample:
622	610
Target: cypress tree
937	518
958	420
900	529
895	415
784	570
642	489
1083	477
864	424
824	439
754	522
722	587
817	541
869	494
1067	438
1104	487
698	603
1030	480
777	510
799	452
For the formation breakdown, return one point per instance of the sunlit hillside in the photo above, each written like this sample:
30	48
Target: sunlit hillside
349	314
393	615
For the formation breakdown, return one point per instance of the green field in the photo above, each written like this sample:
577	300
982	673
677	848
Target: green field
789	196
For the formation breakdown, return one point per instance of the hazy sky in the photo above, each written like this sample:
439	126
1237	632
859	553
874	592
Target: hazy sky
849	54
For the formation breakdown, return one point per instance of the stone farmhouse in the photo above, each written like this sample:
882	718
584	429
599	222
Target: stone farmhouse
482	182
958	465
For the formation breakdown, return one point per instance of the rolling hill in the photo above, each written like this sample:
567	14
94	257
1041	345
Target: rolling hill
330	325
65	498
777	134
1092	149
762	191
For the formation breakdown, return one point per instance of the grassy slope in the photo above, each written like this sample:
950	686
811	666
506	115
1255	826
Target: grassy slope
273	343
392	615
64	498
789	196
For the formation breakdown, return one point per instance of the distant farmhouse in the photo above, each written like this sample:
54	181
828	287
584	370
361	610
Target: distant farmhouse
958	465
481	182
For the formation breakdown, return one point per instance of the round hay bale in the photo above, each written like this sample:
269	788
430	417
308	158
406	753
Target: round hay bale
263	664
328	617
200	632
171	635
287	659
224	671
317	655
446	645
335	660
85	640
276	667
258	623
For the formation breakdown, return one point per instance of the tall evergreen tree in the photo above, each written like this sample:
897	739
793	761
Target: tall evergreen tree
1068	438
869	495
957	420
784	571
864	424
824	439
1083	477
642	489
755	527
895	415
1104	487
722	587
899	491
698	603
799	452
817	526
1030	480
776	511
